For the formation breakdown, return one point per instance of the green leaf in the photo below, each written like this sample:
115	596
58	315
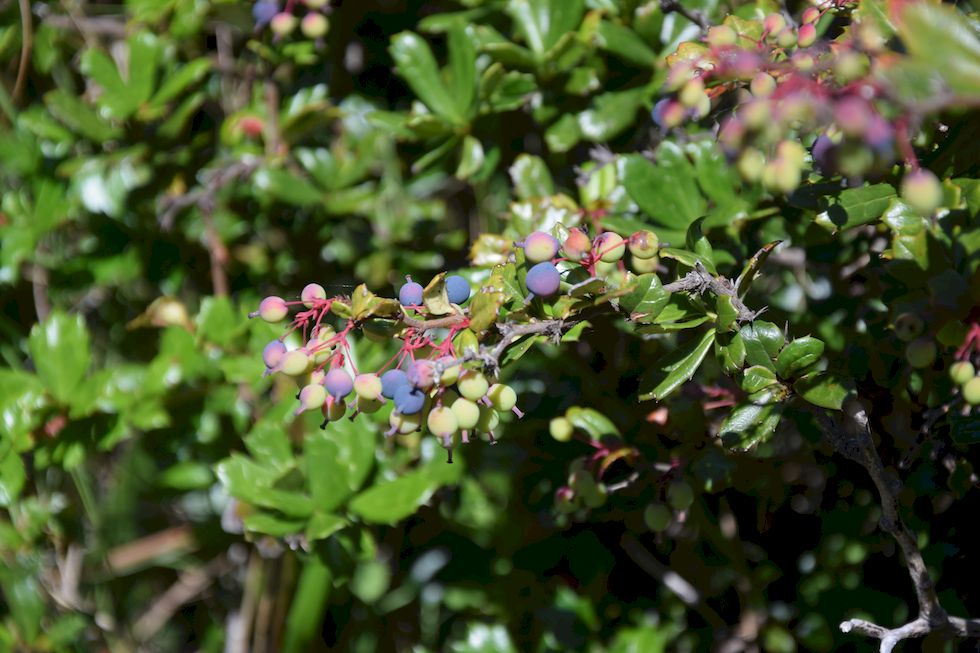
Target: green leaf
531	177
591	421
755	351
60	350
625	43
417	66
719	181
544	22
610	114
679	366
217	321
770	335
79	117
698	243
308	605
187	475
392	501
435	297
462	69
337	461
254	483
263	522
798	355
287	187
471	159
945	39
179	80
824	389
726	312
667	190
321	526
730	351
13	475
855	207
751	423
563	134
757	378
648	297
752	267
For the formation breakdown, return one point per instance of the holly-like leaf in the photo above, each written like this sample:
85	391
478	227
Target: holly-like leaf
59	347
679	366
824	389
647	298
798	355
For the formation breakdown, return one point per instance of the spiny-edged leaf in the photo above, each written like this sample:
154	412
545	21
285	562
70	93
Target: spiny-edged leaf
798	355
770	335
855	207
669	327
647	298
390	502
417	66
667	190
591	421
360	302
520	347
435	297
60	351
750	424
337	461
679	366
268	524
590	286
726	312
755	351
752	267
730	351
757	378
531	177
824	389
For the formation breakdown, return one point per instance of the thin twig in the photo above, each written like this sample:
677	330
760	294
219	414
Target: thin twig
97	25
39	288
189	584
700	280
693	15
27	42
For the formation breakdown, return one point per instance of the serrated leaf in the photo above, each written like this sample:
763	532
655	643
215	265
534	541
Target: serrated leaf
824	389
750	424
337	461
798	355
647	298
60	351
667	190
680	365
855	207
757	378
390	502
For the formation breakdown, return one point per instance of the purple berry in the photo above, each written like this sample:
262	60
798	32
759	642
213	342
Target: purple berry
263	11
824	154
410	294
391	381
658	112
543	279
338	383
409	400
273	353
457	288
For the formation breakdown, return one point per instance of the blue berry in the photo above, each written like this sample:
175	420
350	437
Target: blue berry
263	11
391	381
409	400
543	279
410	294
338	383
457	288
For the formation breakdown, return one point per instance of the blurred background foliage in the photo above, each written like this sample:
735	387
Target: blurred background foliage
166	163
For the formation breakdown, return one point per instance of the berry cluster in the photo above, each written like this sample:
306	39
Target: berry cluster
600	256
283	21
778	83
431	380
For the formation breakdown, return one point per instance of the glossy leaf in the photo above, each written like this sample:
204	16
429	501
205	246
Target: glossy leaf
417	66
390	502
647	298
798	355
61	353
667	190
680	365
824	389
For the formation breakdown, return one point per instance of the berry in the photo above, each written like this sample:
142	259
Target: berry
410	294
921	190
786	38
657	517
721	35
391	381
560	429
763	84
467	413
272	310
691	93
908	326
609	246
295	363
311	397
334	409
961	372
488	420
472	385
367	386
404	423
442	422
807	35
644	244
823	153
368	406
457	288
644	265
658	112
314	25
263	12
921	352
810	15
853	116
971	391
409	400
311	292
450	373
543	279
540	246
576	244
315	4
751	164
273	353
680	495
774	23
283	23
421	374
502	396
338	383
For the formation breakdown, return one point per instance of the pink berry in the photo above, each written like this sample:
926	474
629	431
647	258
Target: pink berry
272	309
540	246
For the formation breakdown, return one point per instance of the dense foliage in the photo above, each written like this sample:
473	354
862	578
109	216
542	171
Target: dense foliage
695	284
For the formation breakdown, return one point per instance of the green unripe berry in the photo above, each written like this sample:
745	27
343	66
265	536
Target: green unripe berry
272	310
609	247
922	191
405	424
314	25
691	92
367	386
442	422
908	327
449	374
786	38
311	397
561	429
921	352
807	35
336	409
503	397
961	372
657	517
774	23
489	420
644	265
540	246
467	413
283	23
644	244
680	495
721	35
971	391
810	15
763	84
750	164
369	406
295	363
781	175
472	385
315	4
596	498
